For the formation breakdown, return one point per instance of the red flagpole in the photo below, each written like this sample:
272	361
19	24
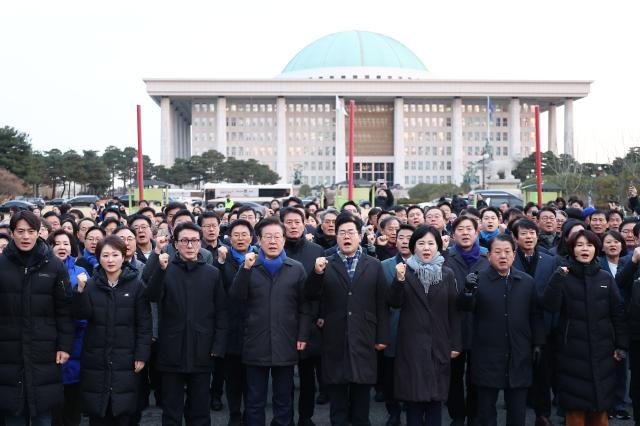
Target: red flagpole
140	163
538	157
352	113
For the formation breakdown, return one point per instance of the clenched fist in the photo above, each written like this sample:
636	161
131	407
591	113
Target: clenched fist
222	254
249	260
82	282
445	242
401	270
161	242
321	264
163	260
382	240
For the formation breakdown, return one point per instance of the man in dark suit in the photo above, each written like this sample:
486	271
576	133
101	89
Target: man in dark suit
352	290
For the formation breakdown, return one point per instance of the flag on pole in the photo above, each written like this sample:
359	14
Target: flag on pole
489	108
340	106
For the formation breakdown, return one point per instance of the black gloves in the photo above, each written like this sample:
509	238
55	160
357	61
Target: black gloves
471	282
537	356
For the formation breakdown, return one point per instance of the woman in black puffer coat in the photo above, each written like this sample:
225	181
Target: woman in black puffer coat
117	341
592	334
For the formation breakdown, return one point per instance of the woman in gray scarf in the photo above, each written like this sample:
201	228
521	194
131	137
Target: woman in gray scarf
429	332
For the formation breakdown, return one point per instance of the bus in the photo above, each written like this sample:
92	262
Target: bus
217	193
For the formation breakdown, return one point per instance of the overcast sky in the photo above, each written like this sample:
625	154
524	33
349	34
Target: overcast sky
72	71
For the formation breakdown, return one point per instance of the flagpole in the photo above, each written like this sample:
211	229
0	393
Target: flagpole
538	158
352	112
140	163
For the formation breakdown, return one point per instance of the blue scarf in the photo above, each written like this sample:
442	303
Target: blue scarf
272	265
239	257
470	257
91	258
488	236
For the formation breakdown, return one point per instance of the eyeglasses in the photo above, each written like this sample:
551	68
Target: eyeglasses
141	228
93	240
271	237
244	235
185	242
128	239
210	226
351	233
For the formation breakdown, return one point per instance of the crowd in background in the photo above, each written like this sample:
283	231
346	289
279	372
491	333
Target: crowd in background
439	307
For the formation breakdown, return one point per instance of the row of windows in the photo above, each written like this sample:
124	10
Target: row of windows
497	151
294	107
318	180
482	136
418	107
203	121
427	121
311	136
318	165
312	150
254	107
251	121
427	150
427	136
253	152
204	107
204	137
251	136
414	180
311	122
427	165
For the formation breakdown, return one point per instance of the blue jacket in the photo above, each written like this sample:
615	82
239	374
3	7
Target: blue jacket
71	368
389	268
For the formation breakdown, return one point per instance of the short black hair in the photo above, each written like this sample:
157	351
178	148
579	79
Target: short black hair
112	210
49	214
239	222
272	220
503	237
290	210
294	200
375	211
529	206
420	232
208	214
407	227
28	216
72	221
72	241
612	212
247	208
386	220
350	203
574	213
458	220
547	209
576	200
77	212
600	212
138	216
173	205
113	241
96	228
124	227
398	209
147	209
444	203
108	221
414	207
471	210
524	224
184	226
617	236
497	212
636	230
591	237
183	212
346	217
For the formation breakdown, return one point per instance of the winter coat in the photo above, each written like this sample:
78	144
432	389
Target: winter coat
545	266
592	325
356	318
118	334
306	252
193	320
83	263
71	368
35	323
453	260
507	325
628	282
385	203
277	317
389	269
324	241
429	330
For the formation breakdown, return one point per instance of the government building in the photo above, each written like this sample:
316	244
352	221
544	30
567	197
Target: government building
409	126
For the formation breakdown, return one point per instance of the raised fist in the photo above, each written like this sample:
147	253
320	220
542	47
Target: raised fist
222	254
471	282
249	260
401	270
309	236
163	260
445	242
161	242
382	240
321	264
636	255
82	282
563	270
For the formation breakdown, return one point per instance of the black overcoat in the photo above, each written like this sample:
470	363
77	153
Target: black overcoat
592	325
356	318
507	325
428	331
193	323
35	323
118	334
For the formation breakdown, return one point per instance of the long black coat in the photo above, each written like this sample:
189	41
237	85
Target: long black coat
627	280
276	313
453	260
507	325
306	252
429	329
193	323
356	318
592	325
118	334
35	323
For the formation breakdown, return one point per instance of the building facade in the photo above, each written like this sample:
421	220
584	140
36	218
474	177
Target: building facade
409	127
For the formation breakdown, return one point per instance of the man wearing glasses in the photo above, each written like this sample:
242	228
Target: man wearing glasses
271	286
193	330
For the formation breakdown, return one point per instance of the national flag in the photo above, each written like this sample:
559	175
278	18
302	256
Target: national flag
340	106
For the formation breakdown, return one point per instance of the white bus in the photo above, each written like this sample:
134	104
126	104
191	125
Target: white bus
217	193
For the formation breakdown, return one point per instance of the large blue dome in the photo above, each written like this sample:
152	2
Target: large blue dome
354	50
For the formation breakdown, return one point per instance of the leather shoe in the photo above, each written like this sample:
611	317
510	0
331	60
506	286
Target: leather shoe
543	421
393	420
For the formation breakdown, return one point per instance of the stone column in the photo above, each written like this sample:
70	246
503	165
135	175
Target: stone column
281	138
553	141
341	157
221	126
187	136
515	144
568	127
399	172
457	169
167	152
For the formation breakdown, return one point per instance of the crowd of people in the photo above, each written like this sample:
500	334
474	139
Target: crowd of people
444	306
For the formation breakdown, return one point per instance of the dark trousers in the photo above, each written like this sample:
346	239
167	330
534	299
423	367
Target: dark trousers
217	377
352	397
308	372
154	377
69	414
235	378
257	390
424	413
393	406
622	368
380	381
110	420
540	391
515	399
459	403
198	399
634	385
